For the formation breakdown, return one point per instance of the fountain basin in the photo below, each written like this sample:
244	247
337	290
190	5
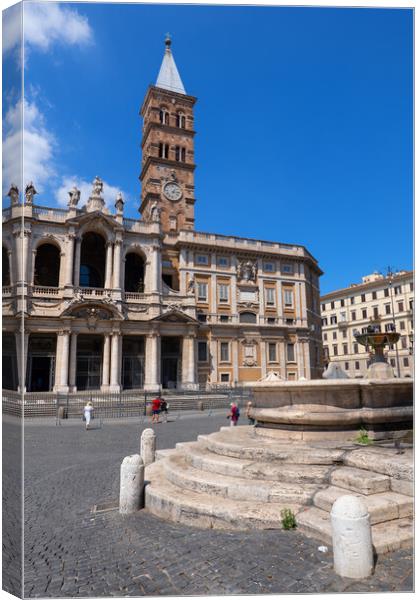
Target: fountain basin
333	409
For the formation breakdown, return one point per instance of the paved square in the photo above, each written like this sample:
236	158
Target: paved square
72	552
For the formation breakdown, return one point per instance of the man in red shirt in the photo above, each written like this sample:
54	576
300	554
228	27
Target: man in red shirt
155	409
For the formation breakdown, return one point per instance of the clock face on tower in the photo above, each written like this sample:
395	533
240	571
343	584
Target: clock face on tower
172	191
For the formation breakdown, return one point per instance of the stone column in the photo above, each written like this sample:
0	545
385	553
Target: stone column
351	538
152	375
280	302
235	361
62	271
31	267
303	306
307	358
131	484
68	280
11	267
299	358
298	309
117	265
21	341
63	340
213	352
106	361
263	351
73	361
189	378
282	359
115	360
108	270
148	446
155	266
213	297
76	281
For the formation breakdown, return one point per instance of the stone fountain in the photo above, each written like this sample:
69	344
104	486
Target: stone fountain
305	451
374	339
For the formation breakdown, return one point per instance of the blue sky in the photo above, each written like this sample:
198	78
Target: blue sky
304	118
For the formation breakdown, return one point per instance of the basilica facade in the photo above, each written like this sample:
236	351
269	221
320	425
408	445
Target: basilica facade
94	300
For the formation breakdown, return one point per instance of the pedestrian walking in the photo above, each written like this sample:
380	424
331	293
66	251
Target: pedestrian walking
251	420
164	409
233	415
88	413
155	409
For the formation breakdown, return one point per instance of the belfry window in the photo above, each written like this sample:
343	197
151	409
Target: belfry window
164	116
163	150
180	120
180	154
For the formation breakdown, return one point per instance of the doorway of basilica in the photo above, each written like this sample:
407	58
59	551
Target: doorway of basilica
132	362
41	363
89	362
171	362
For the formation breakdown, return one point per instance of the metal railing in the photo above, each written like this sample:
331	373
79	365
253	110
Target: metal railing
126	403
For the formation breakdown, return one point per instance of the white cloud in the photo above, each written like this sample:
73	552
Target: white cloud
12	27
109	192
45	24
38	147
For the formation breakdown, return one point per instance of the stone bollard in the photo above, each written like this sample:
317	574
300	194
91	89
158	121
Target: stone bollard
131	484
148	446
352	538
61	412
200	405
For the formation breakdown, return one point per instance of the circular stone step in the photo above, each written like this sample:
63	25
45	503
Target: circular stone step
183	475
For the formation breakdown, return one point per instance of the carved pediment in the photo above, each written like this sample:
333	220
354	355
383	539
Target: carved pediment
97	218
175	315
91	310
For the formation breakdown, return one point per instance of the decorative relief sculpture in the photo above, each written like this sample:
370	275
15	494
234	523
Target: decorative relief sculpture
249	352
247	271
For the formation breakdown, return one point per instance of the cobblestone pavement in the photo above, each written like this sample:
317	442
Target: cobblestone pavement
73	552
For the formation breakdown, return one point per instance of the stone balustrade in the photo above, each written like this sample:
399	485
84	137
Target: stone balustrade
41	290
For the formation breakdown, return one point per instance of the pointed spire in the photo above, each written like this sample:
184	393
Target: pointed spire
169	78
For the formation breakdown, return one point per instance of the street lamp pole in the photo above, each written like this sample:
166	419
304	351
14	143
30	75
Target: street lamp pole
395	329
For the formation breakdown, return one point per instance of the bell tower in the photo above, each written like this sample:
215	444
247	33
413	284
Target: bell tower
167	172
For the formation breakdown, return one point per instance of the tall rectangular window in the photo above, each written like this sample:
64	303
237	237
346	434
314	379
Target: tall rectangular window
270	298
290	352
356	348
344	333
352	300
387	309
202	289
202	351
333	320
332	304
374	295
345	349
401	306
341	302
288	298
353	315
335	349
334	335
363	297
272	352
364	313
375	312
357	365
223	292
224	351
402	325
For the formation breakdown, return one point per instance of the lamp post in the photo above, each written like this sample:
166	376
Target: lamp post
395	328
